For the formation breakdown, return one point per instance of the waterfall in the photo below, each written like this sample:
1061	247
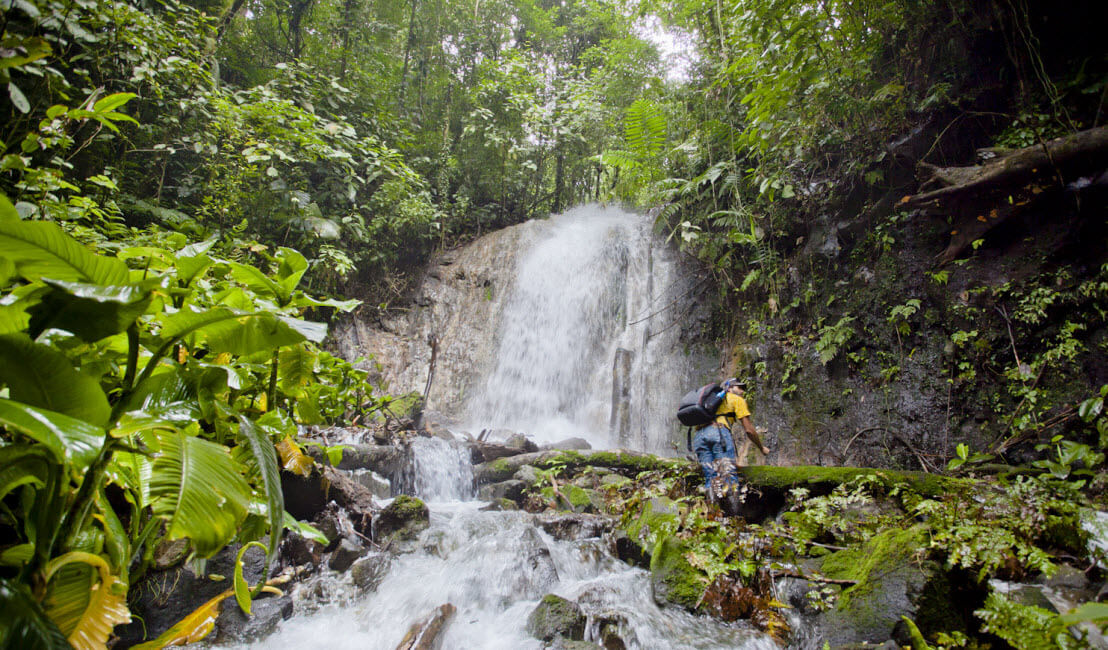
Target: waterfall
438	471
587	342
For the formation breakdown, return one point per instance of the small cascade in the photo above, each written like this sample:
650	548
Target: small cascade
494	567
438	470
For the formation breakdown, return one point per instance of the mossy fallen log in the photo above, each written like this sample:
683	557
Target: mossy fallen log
619	460
824	479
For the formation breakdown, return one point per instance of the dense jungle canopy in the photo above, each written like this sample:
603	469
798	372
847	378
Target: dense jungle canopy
191	190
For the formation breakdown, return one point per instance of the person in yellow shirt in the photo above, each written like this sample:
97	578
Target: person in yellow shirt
714	441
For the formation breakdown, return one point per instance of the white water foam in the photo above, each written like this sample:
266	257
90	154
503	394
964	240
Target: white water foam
595	284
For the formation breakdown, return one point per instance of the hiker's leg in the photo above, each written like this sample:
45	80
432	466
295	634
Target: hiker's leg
706	447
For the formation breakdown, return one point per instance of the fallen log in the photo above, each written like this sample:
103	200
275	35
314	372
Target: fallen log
425	634
981	197
1072	154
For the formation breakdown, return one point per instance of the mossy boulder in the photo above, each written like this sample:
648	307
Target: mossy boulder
555	617
895	577
672	579
402	520
821	480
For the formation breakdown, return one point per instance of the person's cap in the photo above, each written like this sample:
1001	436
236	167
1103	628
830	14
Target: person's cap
734	381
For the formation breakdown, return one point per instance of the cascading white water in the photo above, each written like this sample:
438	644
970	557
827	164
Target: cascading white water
494	567
587	347
587	344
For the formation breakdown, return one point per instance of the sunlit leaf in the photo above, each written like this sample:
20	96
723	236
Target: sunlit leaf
85	599
196	486
191	628
71	441
293	459
41	376
42	249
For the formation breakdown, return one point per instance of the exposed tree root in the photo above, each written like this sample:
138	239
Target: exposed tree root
982	196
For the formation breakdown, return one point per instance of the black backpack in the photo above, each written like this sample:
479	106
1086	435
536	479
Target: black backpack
698	407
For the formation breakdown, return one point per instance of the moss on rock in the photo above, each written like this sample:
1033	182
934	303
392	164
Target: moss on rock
672	578
403	519
556	617
824	479
895	577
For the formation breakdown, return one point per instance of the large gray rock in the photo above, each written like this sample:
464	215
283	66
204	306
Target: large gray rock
345	554
369	571
573	527
556	617
233	626
512	490
402	520
895	578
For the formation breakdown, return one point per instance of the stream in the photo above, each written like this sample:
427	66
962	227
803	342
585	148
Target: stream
586	348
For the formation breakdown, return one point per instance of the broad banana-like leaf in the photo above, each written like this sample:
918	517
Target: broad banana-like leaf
72	441
90	311
296	368
42	249
259	282
13	318
163	394
7	210
7	271
191	268
198	489
264	453
239	333
311	330
291	268
85	603
43	377
303	300
26	625
24	465
116	542
293	459
191	628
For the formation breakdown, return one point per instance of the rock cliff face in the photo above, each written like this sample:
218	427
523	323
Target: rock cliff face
457	308
581	325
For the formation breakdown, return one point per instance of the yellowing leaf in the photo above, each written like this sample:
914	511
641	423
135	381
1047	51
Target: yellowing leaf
86	609
191	628
292	459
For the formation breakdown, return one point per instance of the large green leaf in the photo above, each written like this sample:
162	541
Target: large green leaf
71	441
296	368
291	269
24	465
41	376
226	330
265	455
90	311
85	599
26	625
259	282
42	249
198	489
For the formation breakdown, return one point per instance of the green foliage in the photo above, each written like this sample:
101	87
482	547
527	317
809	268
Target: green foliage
832	338
1025	626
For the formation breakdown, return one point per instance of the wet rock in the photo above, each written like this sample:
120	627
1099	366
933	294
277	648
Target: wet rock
386	460
424	635
511	490
556	617
672	578
572	644
578	444
500	505
169	553
344	555
520	442
528	474
297	550
894	579
611	628
306	497
368	572
486	452
233	626
627	550
163	597
572	527
1066	577
402	520
377	485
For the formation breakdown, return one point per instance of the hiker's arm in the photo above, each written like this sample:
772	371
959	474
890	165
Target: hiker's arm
752	433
